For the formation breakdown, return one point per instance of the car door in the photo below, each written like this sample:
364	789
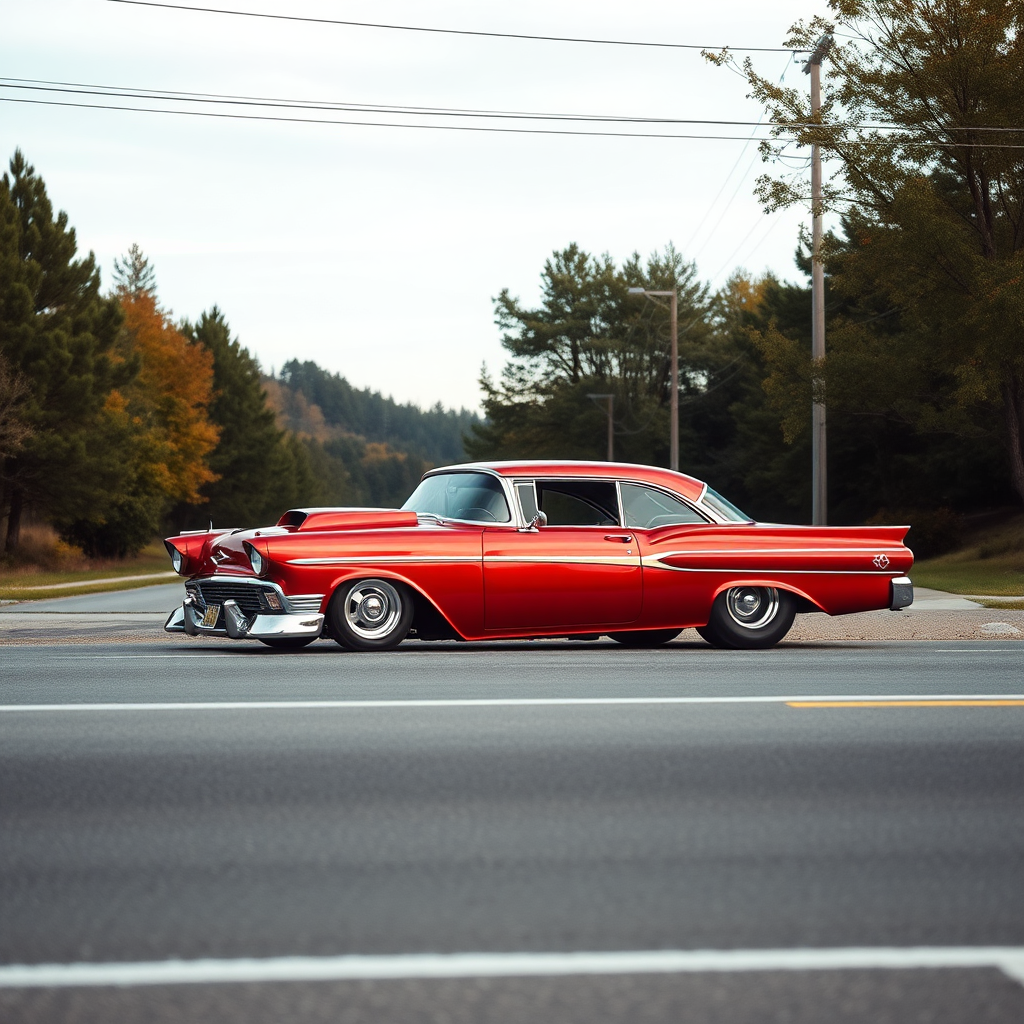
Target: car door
580	569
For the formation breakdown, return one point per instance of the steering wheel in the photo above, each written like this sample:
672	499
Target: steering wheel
477	514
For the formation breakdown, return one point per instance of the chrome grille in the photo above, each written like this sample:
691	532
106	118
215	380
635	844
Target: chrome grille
305	602
245	595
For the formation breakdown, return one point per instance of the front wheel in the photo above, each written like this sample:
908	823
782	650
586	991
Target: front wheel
749	618
370	615
645	637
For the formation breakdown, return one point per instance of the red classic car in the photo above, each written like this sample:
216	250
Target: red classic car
533	549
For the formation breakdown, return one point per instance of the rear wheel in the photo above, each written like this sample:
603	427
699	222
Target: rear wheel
287	643
645	637
370	615
749	618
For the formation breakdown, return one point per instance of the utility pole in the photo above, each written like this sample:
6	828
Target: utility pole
819	449
611	422
673	434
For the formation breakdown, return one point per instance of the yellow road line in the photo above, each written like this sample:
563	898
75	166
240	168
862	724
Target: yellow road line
905	703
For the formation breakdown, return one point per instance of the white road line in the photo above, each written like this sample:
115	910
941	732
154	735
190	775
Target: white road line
482	702
1009	959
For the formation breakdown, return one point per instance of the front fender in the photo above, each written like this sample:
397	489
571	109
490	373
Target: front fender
365	573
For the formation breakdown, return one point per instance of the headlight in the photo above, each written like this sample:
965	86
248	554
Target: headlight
255	559
177	560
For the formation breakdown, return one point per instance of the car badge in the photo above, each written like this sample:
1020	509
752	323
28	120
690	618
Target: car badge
881	561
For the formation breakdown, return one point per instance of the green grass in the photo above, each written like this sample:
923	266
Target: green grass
990	563
26	594
24	583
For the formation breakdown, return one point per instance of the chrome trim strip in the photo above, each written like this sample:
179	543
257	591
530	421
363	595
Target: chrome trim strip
767	571
567	559
371	560
777	551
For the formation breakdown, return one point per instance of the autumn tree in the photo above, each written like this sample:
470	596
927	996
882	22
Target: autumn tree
160	424
922	123
57	336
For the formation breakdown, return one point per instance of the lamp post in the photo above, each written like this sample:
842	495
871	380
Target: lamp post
673	436
611	422
819	459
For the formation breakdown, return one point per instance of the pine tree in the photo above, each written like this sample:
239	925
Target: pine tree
57	333
250	460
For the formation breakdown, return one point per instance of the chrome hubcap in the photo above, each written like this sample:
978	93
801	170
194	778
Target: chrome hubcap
372	609
752	607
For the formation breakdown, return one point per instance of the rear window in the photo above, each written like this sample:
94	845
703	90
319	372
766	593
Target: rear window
647	508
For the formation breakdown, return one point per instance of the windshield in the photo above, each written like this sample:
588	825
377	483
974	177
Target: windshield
477	497
726	509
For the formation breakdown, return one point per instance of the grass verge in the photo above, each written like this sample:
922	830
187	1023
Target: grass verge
990	563
79	590
30	582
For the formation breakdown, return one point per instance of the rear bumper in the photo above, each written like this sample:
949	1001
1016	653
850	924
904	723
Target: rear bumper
188	617
901	593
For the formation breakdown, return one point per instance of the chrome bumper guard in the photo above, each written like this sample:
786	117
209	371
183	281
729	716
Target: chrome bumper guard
902	593
188	617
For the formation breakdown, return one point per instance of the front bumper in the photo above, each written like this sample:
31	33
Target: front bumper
901	592
188	618
245	608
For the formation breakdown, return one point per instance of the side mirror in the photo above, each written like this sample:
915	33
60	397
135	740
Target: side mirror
540	519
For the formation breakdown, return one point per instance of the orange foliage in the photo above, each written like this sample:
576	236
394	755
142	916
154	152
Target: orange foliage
296	413
170	398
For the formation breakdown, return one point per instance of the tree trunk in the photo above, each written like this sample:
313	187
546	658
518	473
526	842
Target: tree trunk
14	521
1013	401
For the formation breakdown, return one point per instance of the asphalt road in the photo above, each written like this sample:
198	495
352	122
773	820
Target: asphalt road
394	818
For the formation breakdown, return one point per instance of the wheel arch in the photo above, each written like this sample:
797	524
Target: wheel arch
427	618
804	601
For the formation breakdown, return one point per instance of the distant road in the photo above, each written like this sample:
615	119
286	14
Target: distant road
241	830
160	598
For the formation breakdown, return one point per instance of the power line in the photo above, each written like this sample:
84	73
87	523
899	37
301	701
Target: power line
473	127
374	124
128	92
168	95
458	31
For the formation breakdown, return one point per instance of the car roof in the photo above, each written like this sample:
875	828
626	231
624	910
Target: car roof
688	486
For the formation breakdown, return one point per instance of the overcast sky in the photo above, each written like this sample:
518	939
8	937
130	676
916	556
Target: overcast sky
377	251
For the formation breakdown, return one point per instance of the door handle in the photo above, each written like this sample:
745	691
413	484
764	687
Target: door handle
623	538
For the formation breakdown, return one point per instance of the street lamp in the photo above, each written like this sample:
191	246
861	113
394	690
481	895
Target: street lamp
673	444
611	422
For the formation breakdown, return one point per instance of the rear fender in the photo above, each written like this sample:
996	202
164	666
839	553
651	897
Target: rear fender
805	603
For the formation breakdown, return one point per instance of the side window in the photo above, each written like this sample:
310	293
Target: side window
646	508
578	502
527	495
